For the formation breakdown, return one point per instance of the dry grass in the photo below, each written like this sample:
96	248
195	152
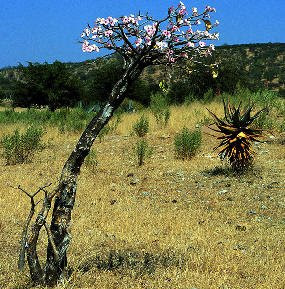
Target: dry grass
184	224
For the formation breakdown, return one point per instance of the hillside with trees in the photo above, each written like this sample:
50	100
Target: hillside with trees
251	66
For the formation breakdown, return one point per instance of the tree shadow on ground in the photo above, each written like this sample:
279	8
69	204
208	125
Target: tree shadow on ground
225	171
139	261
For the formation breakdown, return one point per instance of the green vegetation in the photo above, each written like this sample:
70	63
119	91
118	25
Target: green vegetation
142	151
51	85
141	127
20	148
187	143
160	109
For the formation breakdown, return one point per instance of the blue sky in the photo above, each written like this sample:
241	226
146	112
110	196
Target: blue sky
49	30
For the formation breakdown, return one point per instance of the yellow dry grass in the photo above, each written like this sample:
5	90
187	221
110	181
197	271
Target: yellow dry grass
180	224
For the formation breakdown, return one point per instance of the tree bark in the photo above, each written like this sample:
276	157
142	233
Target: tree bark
56	268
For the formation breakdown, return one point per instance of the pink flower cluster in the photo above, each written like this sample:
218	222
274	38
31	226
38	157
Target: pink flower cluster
174	37
182	10
150	29
87	47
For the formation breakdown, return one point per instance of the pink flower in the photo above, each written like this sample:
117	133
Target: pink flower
212	47
202	43
85	46
94	30
138	42
175	39
93	47
161	44
108	33
166	33
147	40
102	21
194	11
189	31
190	44
187	22
87	31
174	28
184	55
149	30
210	9
125	19
206	34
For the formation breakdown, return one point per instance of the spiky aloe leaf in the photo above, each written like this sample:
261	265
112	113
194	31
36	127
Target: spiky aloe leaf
236	138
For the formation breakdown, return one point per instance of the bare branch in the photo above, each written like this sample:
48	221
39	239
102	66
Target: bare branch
24	239
21	261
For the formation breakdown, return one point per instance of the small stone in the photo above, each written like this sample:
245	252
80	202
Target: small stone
263	207
134	181
222	192
130	175
146	194
239	247
113	187
174	201
112	202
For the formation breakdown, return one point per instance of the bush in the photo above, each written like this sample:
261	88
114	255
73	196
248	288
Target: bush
160	109
187	143
209	95
141	127
142	150
264	121
265	98
20	148
72	125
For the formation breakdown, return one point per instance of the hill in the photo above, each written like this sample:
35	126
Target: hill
261	65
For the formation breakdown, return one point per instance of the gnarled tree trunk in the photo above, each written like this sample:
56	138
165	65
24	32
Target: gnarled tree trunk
56	264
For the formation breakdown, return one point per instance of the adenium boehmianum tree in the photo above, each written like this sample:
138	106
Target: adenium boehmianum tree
142	41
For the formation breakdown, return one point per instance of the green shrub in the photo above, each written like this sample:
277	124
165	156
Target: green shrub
20	148
141	127
282	126
142	151
91	160
187	143
265	98
73	125
264	121
208	95
160	109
